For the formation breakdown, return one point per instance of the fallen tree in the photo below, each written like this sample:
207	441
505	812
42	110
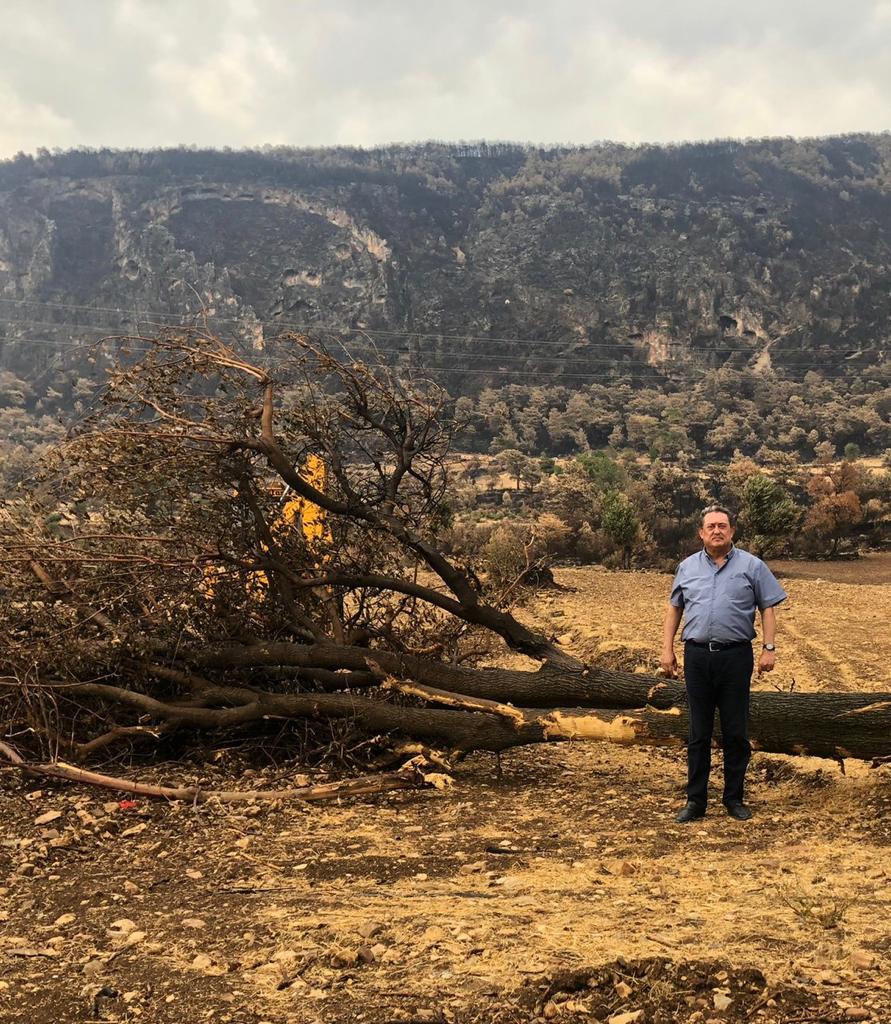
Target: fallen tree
230	541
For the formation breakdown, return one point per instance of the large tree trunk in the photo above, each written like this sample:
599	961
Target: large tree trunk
829	725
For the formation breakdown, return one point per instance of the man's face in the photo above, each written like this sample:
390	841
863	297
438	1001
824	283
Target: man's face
716	533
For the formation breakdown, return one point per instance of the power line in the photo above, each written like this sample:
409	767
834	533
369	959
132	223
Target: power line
333	328
683	373
611	374
129	340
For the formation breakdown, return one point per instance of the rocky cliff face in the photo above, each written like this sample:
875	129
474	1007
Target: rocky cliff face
481	261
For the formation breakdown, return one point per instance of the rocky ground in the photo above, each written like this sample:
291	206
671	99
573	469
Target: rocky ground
562	890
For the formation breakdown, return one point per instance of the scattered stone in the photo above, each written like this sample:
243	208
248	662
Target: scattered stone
60	922
858	1013
193	922
623	989
617	866
828	978
202	962
134	830
625	1018
861	960
134	938
369	929
721	1001
365	955
123	926
344	957
433	935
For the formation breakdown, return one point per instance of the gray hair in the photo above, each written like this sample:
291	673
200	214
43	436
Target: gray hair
715	508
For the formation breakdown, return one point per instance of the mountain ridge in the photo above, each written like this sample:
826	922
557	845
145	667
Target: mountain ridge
594	262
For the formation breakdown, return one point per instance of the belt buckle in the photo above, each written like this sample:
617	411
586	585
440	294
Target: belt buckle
713	646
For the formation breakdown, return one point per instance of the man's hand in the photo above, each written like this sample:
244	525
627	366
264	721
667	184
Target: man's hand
669	663
767	661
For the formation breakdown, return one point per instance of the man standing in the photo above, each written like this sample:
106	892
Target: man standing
717	591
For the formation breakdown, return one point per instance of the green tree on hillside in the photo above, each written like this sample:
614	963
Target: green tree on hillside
620	523
602	471
768	515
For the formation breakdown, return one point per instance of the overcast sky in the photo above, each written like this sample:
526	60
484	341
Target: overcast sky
246	72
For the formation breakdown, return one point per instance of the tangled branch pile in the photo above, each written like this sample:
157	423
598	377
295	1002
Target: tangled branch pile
227	541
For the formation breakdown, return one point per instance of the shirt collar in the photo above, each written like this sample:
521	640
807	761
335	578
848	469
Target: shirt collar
711	561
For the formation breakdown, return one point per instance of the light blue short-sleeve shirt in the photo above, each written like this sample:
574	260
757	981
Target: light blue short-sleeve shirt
720	603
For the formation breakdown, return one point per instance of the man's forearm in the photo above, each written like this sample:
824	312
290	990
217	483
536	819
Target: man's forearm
672	621
769	625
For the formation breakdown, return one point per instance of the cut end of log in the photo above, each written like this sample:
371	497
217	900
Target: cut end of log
622	729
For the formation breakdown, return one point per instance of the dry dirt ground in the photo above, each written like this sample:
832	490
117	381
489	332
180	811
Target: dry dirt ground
562	891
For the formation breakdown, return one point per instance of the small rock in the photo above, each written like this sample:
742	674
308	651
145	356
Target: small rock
193	922
625	1018
828	978
861	960
623	989
858	1013
134	830
433	935
93	968
421	877
368	929
60	922
721	1001
123	926
194	875
45	819
344	957
130	887
202	962
365	955
134	938
617	866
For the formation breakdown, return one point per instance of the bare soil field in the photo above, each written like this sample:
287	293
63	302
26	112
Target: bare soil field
562	890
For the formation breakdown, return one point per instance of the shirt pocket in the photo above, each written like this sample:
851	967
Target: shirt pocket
740	592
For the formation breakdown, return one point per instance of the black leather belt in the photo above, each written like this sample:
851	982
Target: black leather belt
719	645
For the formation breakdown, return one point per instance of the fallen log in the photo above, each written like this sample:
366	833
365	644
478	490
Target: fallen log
836	725
863	733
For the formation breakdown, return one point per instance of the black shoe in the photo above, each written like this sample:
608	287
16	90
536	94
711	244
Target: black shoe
737	809
690	812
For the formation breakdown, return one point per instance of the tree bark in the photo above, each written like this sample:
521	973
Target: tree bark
827	725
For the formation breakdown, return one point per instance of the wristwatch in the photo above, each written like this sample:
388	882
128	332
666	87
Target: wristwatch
769	647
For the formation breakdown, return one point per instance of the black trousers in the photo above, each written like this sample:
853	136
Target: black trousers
722	680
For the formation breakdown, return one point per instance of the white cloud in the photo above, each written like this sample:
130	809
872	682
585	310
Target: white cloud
26	126
241	72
